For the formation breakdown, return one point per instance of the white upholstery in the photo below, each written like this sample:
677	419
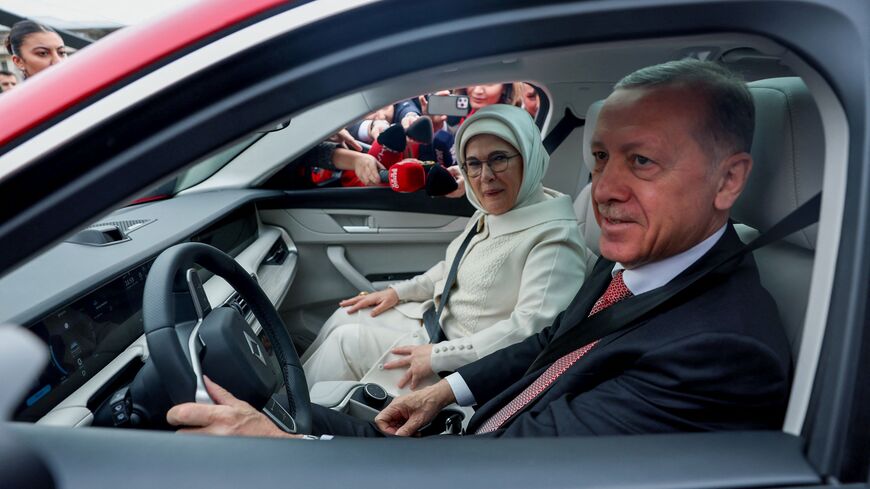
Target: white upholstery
788	152
788	161
589	229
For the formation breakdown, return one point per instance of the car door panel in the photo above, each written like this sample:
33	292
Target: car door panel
343	251
697	460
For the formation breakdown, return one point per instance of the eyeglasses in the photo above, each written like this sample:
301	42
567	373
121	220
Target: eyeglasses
497	163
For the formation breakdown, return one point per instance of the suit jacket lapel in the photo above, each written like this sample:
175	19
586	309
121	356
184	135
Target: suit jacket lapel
589	292
583	330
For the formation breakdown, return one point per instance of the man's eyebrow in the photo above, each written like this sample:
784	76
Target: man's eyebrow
632	146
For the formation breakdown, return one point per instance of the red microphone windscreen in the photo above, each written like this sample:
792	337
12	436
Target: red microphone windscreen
407	176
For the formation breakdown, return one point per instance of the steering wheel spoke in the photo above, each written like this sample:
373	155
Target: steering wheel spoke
195	344
220	341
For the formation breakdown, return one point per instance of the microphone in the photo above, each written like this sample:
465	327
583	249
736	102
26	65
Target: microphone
441	146
405	176
411	175
389	148
421	130
439	181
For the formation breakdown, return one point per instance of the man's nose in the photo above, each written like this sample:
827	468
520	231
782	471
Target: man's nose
610	183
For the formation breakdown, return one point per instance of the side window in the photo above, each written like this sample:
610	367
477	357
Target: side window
419	129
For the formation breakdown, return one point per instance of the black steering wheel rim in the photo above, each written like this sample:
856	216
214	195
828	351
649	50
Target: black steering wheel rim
165	348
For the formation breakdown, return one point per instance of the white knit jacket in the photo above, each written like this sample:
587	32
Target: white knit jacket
519	272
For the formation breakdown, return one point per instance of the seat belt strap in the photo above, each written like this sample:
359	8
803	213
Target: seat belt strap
618	317
561	130
431	318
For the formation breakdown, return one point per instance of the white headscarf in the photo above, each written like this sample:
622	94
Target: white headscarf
515	126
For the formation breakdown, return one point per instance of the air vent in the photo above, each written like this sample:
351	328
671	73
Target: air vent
125	226
108	233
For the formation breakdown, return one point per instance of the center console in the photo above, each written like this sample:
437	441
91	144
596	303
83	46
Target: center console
365	400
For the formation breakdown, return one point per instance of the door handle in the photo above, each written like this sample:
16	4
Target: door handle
359	229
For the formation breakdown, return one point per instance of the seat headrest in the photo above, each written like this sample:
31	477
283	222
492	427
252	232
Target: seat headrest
788	150
583	203
588	129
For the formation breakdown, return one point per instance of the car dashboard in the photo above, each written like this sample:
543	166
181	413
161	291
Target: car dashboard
83	297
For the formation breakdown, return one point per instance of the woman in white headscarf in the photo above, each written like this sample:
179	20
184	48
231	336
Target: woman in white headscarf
521	268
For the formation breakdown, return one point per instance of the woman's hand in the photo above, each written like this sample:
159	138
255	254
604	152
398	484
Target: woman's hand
418	360
460	181
382	300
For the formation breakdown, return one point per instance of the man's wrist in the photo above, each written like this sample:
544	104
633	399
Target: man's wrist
462	395
445	392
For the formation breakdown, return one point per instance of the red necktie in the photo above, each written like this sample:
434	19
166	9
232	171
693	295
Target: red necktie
615	292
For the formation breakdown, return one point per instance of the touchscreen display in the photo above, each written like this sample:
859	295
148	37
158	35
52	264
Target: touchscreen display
84	337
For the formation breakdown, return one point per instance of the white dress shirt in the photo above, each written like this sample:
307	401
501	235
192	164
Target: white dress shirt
638	280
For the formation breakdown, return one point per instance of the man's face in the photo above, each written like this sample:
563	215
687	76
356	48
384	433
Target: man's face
654	187
7	82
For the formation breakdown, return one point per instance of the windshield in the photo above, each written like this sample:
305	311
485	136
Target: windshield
210	165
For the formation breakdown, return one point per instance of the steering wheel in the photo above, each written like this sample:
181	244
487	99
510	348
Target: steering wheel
219	342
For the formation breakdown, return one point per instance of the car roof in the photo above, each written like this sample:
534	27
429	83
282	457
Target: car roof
102	65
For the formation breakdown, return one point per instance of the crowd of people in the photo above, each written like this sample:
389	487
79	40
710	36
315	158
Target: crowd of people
435	147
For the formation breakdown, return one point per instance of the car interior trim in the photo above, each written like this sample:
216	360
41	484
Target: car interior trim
73	411
836	130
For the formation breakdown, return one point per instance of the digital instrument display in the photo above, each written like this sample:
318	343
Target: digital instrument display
233	233
84	337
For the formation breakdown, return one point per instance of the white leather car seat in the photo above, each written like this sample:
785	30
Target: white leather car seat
788	154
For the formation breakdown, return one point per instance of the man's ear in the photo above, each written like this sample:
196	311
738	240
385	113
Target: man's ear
733	173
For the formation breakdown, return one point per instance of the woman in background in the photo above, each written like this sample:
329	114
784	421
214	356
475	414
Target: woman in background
481	96
34	47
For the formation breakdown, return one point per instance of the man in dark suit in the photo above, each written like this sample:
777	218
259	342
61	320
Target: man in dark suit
672	155
672	331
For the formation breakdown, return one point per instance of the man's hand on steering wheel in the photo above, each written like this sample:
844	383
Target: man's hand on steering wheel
407	414
228	416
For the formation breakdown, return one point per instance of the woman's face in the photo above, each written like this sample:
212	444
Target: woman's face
39	50
530	100
483	95
496	192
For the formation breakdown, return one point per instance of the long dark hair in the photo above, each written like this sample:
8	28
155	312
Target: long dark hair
510	93
19	31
